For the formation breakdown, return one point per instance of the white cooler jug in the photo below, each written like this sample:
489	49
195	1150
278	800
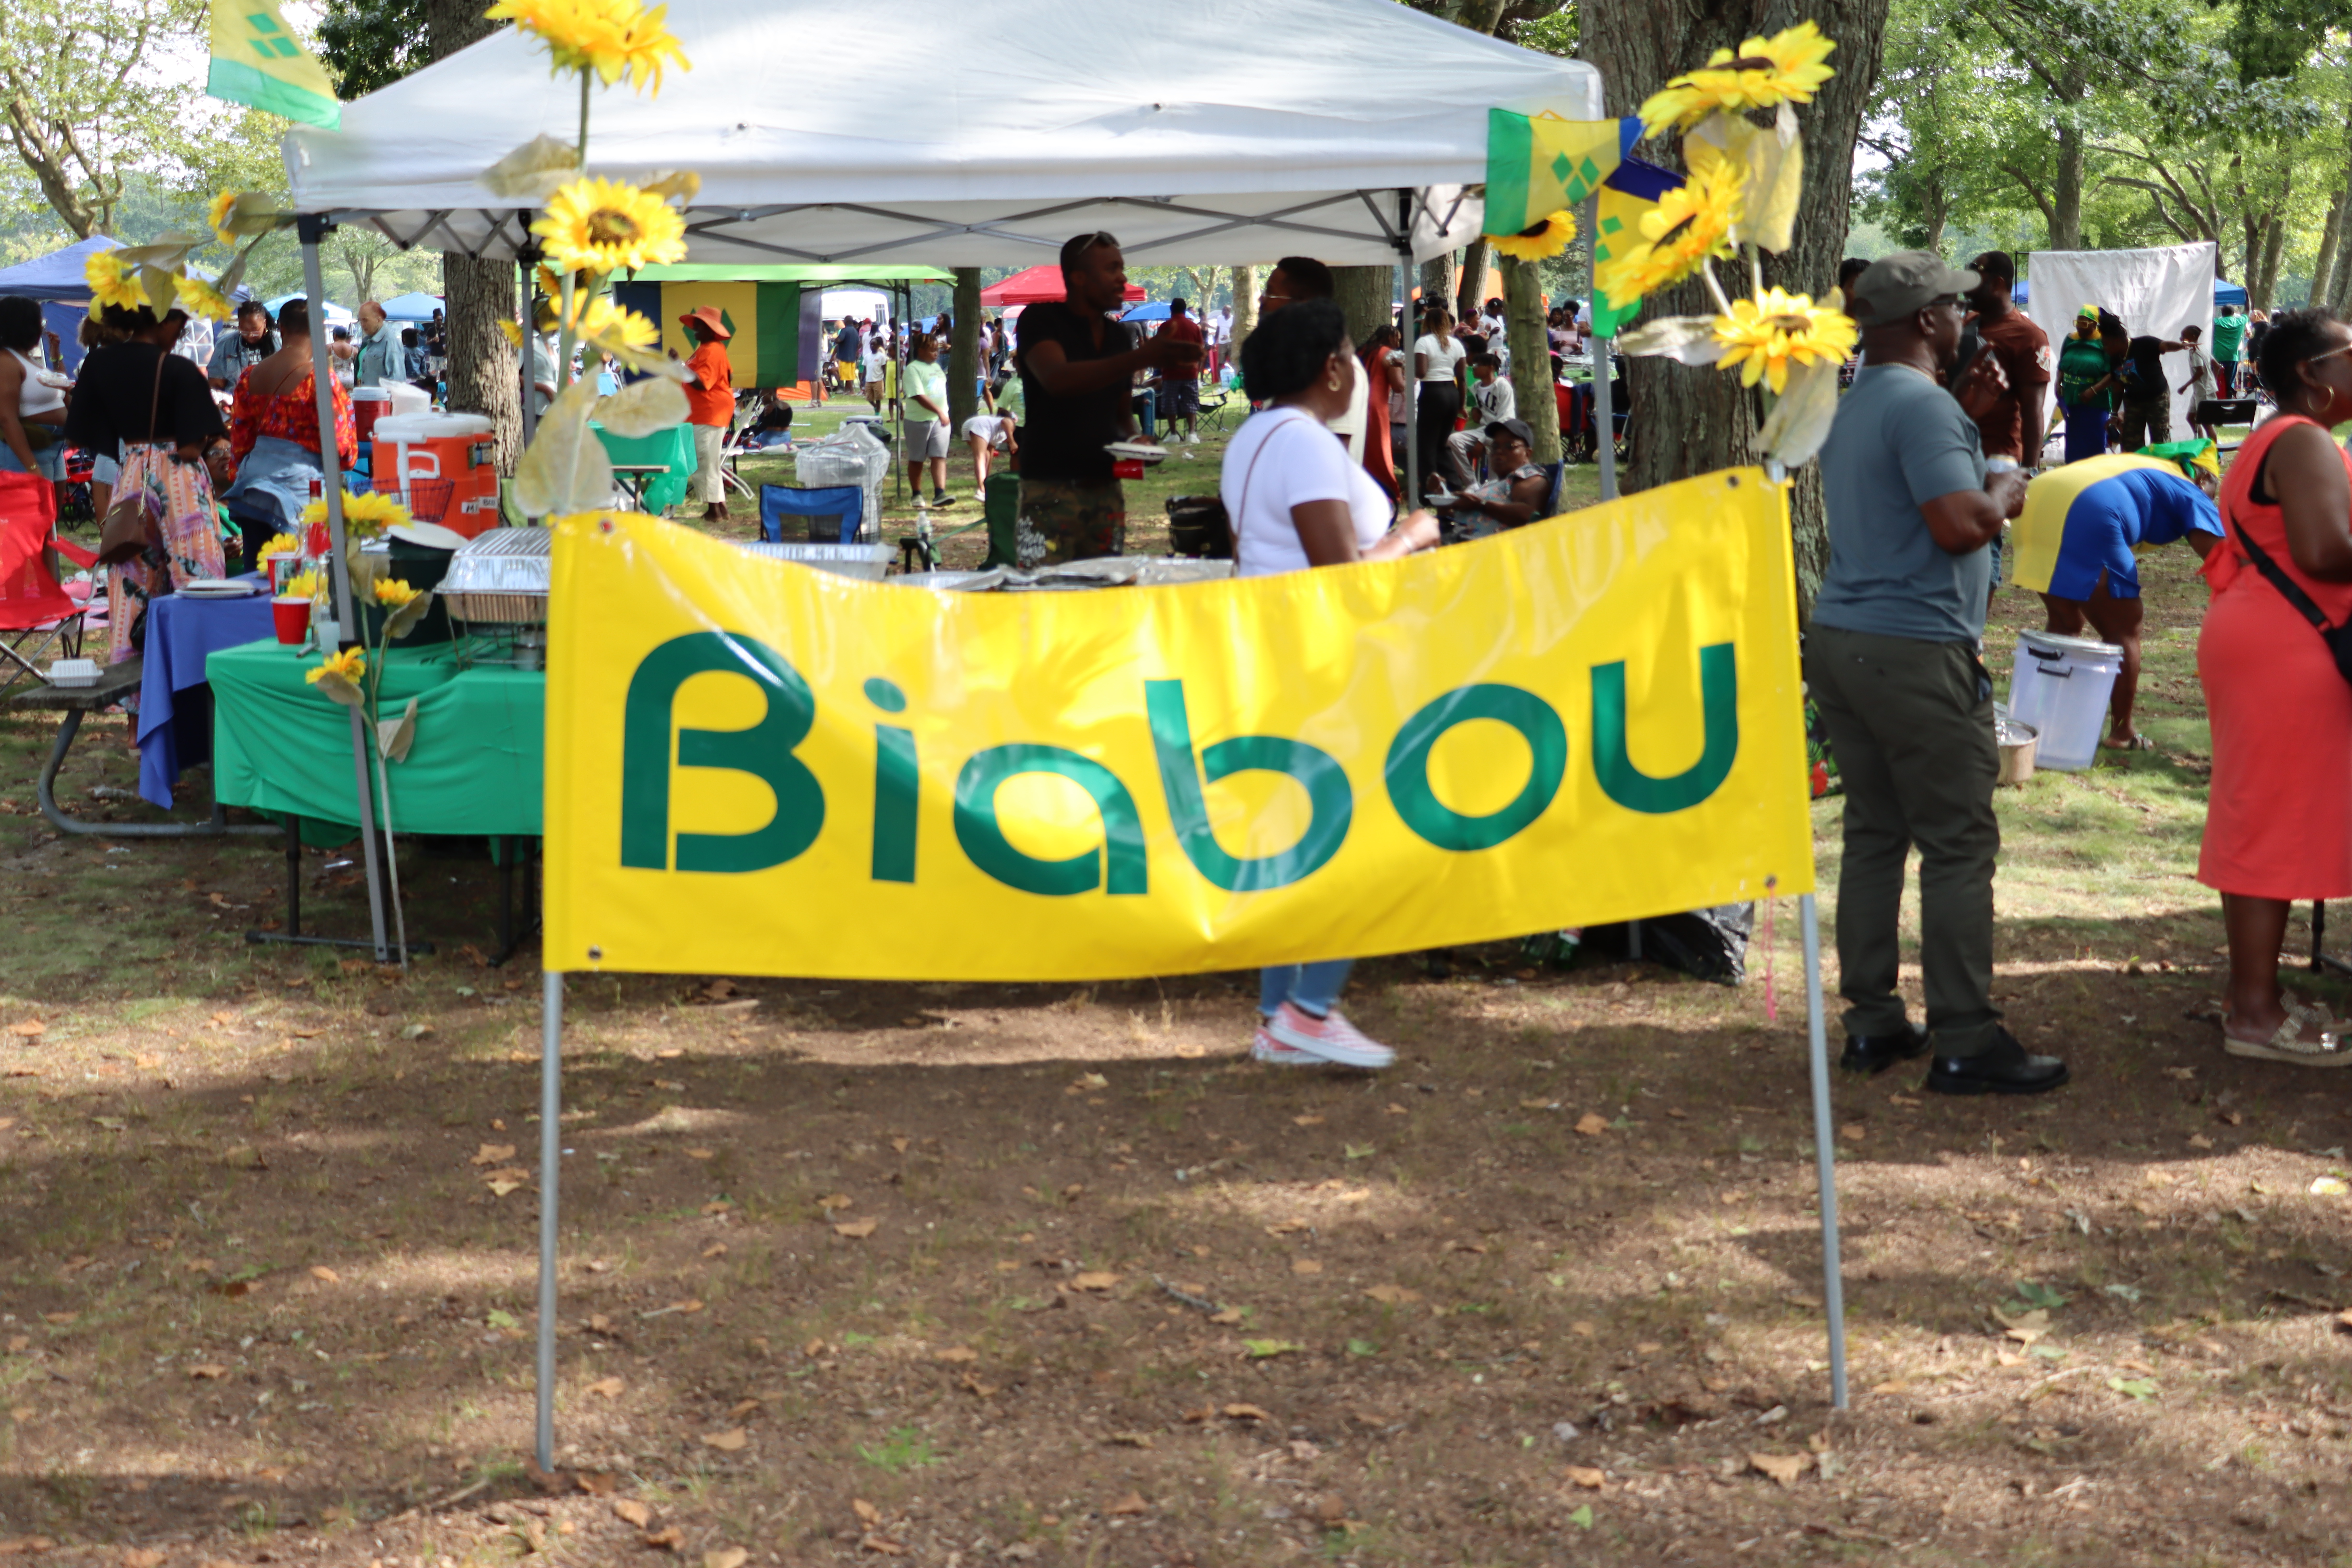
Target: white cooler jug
2060	686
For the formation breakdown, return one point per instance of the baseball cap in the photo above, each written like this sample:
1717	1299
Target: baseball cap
1895	286
1514	428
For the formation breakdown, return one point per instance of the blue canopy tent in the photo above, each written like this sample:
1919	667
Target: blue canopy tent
412	306
2224	292
334	315
58	282
1150	311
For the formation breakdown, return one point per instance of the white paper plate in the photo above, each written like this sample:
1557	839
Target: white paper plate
1137	449
219	588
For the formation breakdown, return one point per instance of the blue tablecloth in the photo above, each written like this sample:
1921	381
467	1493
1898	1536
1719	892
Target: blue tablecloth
180	633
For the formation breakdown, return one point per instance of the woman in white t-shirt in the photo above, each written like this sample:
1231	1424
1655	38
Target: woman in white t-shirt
1437	355
1297	501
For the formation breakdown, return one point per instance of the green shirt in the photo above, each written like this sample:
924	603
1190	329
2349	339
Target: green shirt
2229	334
2080	364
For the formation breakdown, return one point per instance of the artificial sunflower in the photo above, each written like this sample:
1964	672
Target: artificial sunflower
1766	335
1690	223
1539	241
302	585
394	591
1763	73
346	666
606	225
612	37
111	286
280	544
199	298
366	513
217	214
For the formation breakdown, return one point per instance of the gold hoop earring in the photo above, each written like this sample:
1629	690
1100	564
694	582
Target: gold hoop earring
1333	382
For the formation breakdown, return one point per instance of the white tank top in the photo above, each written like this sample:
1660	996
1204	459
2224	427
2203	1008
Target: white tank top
38	396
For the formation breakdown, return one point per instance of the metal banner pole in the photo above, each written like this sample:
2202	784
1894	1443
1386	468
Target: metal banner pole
551	1153
1408	331
1825	1149
344	627
1604	416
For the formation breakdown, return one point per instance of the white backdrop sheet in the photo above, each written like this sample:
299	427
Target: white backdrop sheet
2156	291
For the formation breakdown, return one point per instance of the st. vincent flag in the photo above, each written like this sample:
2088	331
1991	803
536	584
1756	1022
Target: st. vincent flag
775	341
1537	164
1630	189
258	61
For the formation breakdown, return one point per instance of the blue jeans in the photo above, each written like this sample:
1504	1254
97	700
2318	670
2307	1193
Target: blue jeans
1312	988
2086	431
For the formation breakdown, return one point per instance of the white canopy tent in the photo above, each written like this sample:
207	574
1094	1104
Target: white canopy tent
1228	132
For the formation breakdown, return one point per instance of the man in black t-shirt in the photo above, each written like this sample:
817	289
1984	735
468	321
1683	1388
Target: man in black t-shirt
1077	368
2145	412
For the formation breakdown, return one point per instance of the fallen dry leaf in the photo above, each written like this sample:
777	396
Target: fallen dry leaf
143	1557
856	1229
702	1154
1307	1120
1132	1503
832	1200
670	1540
1304	1265
207	1374
731	1441
1133	1439
633	1511
1782	1467
596	1483
1095	1281
1392	1295
865	1510
1246	1413
716	1250
607	1387
493	1154
881	1543
502	1188
1592	1124
726	1557
1587	1477
957	1353
1228	1318
325	1274
31	1028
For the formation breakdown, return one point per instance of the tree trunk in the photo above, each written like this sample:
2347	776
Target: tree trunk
2274	243
1689	420
1436	285
2066	190
2331	242
1244	311
1363	295
963	352
485	372
1523	313
1470	290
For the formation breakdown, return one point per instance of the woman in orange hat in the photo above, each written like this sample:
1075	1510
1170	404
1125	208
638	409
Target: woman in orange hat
709	406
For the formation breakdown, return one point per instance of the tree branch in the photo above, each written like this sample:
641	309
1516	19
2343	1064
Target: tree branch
2156	199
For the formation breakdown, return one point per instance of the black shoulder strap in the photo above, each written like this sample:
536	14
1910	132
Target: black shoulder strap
2289	589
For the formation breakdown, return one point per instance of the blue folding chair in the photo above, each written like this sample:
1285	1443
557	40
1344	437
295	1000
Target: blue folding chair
833	513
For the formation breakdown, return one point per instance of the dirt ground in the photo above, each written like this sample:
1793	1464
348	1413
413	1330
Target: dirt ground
966	1275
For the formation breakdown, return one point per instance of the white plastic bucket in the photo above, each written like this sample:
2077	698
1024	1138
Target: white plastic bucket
2060	686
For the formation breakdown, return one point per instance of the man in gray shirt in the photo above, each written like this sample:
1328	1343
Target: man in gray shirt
1892	661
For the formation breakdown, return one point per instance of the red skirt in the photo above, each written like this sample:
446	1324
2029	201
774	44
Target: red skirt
2278	815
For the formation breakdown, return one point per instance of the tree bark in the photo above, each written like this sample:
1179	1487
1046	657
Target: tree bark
2331	237
963	352
1436	283
1523	313
1470	289
1363	294
2273	244
484	371
1689	420
2066	190
1244	311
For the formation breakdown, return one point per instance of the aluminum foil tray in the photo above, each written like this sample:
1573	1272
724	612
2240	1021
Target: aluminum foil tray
500	578
868	561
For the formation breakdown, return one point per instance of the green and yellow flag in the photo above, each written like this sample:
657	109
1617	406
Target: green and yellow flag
767	347
1537	164
1616	228
258	61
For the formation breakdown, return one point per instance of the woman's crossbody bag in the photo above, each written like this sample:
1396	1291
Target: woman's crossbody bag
2337	639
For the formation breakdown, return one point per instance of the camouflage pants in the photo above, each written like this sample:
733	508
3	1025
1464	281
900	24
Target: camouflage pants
1070	520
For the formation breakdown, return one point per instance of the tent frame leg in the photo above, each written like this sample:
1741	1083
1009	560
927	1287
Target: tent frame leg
550	1154
1825	1149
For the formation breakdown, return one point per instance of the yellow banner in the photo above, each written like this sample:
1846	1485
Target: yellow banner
757	768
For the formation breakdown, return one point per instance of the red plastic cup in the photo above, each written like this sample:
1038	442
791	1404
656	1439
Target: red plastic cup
291	617
1128	468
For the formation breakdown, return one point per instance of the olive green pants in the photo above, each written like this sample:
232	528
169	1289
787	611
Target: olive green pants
1910	724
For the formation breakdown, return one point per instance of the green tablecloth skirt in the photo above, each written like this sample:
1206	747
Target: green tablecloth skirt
674	447
477	764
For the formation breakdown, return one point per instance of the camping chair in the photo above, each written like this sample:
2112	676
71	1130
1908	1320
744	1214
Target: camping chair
1214	410
834	513
37	616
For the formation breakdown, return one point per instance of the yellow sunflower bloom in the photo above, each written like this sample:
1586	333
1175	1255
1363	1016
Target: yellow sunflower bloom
280	544
302	585
394	591
614	39
1539	241
348	665
217	214
111	286
366	513
1763	73
513	330
199	298
1766	335
1690	223
607	225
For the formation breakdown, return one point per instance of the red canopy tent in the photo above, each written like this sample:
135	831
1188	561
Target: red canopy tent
1035	285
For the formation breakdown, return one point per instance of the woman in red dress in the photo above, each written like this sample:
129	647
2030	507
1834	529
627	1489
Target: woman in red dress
2278	818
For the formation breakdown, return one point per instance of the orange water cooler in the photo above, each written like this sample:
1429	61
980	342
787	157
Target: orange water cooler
459	447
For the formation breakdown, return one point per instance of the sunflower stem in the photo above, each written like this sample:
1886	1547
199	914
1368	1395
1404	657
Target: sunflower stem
582	164
1706	270
1756	270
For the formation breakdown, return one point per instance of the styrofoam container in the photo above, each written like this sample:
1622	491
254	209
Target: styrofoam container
74	672
2060	687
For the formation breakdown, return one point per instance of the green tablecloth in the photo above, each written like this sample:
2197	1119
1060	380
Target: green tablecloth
674	447
476	766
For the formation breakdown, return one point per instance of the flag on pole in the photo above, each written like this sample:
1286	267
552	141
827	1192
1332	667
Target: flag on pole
776	341
258	61
1539	164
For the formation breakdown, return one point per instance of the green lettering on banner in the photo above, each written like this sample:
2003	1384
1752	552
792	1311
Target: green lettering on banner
1612	761
1119	866
764	750
1408	764
897	787
1331	803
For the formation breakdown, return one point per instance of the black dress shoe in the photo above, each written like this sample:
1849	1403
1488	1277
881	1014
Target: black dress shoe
1876	1053
2006	1068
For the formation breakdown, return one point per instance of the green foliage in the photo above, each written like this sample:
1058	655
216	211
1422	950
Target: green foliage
371	44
